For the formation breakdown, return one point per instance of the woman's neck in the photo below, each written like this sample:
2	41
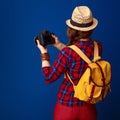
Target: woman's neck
84	39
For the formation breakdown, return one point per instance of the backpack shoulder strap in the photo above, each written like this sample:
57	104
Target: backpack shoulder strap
83	56
80	53
67	75
96	52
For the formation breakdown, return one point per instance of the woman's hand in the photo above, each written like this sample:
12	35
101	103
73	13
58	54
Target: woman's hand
41	48
57	43
56	40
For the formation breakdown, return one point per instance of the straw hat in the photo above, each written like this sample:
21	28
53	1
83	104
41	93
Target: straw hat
82	19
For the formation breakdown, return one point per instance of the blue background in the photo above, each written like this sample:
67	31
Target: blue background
23	92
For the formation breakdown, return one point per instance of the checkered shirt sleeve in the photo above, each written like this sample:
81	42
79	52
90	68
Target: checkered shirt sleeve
59	67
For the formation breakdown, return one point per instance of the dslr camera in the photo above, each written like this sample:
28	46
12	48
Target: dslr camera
45	38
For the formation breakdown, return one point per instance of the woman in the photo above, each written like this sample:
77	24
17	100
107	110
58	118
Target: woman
80	28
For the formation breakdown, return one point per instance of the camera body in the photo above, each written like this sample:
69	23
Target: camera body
45	38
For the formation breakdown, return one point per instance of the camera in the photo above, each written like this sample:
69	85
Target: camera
45	38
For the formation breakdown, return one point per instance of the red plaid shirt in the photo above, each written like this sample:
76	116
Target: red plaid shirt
70	62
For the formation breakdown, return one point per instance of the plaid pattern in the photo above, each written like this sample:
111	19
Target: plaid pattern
70	62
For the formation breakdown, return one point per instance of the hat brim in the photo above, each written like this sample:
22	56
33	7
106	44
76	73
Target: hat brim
95	23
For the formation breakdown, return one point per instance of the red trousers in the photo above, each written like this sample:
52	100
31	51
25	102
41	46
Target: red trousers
84	112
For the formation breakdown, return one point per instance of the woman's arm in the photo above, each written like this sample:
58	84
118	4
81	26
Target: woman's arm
57	44
52	73
44	55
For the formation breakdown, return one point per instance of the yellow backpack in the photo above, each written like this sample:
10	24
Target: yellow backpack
94	84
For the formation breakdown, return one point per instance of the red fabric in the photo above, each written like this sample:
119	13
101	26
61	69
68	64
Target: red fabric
84	112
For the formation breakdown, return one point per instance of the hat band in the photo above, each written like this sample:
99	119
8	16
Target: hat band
81	25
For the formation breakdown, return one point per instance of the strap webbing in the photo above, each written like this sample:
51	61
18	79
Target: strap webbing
96	52
80	53
69	78
83	56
